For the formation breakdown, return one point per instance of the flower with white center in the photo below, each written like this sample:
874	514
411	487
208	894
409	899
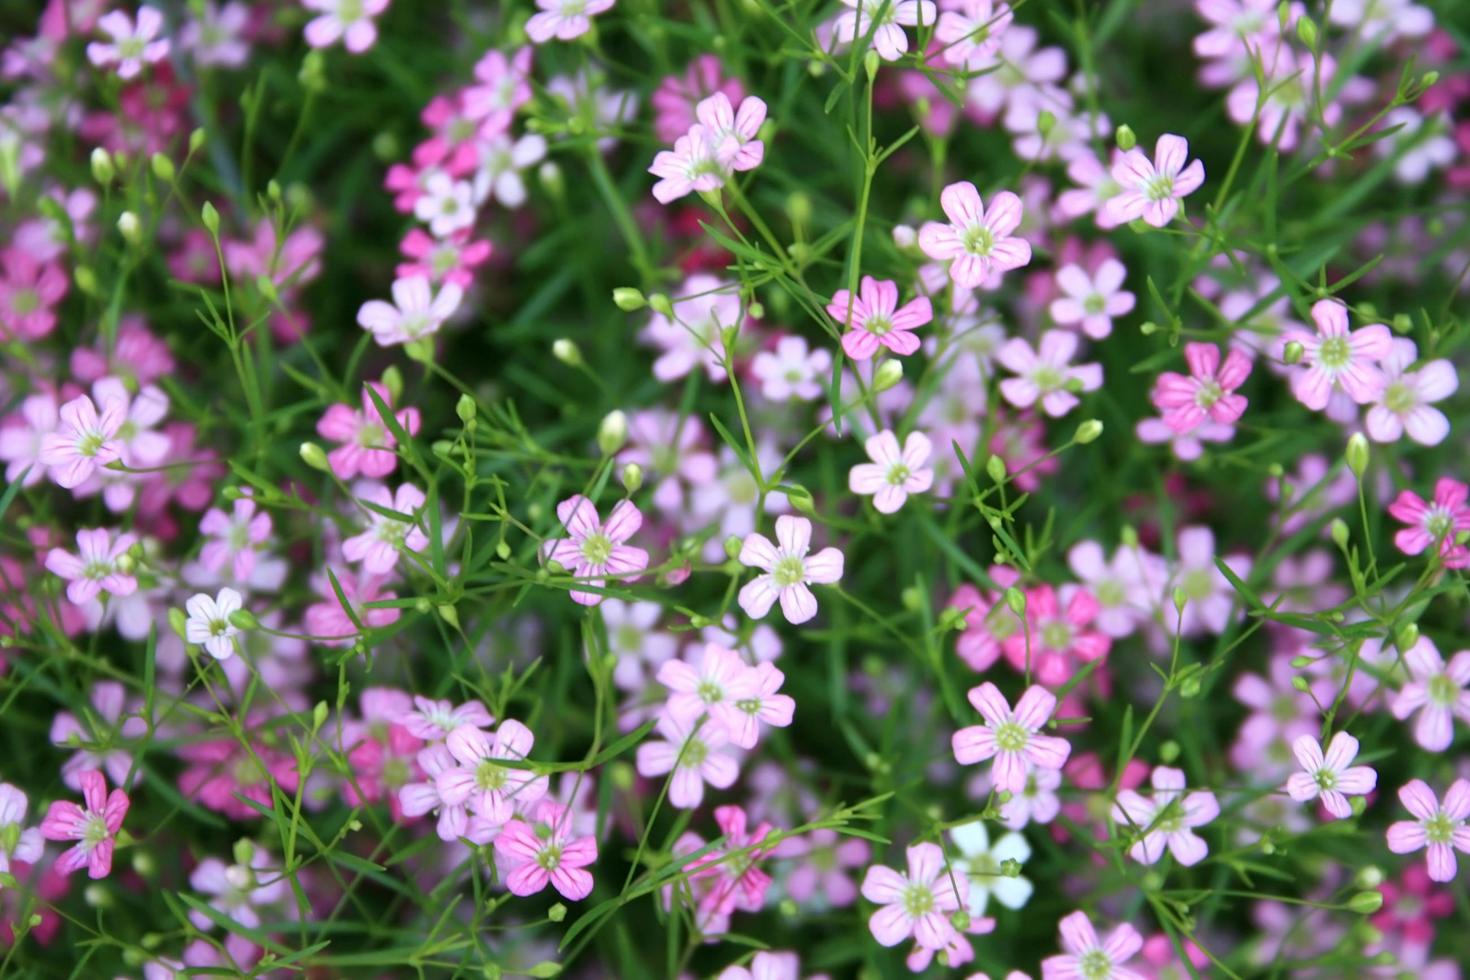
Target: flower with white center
1046	374
1338	358
1405	406
446	205
890	18
792	370
209	623
1439	830
1166	821
985	865
501	164
17	843
379	547
1011	738
1091	302
787	571
97	566
350	21
416	313
133	43
563	19
1086	957
692	165
1152	189
977	242
893	474
721	678
1330	776
1439	692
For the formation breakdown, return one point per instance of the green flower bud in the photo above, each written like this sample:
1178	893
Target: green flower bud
871	63
103	170
1407	636
1292	354
660	304
1016	600
1340	533
465	409
177	621
1366	902
163	168
313	456
244	619
889	373
567	352
196	140
1087	432
130	227
632	477
210	217
995	468
1307	32
801	499
612	432
628	299
1357	454
733	544
1168	752
1125	137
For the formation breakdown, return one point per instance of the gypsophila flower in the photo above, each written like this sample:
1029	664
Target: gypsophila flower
881	23
971	29
792	370
1166	821
893	474
874	319
692	752
984	866
1439	692
593	551
1011	737
1329	776
379	547
1207	393
1091	302
1046	373
1405	405
917	903
481	781
1439	830
1438	522
84	440
1152	189
542	850
978	242
1336	358
350	21
1086	957
17	842
97	566
133	43
564	20
417	311
209	623
787	569
94	826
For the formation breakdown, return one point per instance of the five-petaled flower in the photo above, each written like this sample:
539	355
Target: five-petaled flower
874	319
893	473
787	570
542	849
1439	830
93	826
978	242
919	903
1330	776
209	623
593	551
1438	522
1152	189
1206	393
1011	737
1336	358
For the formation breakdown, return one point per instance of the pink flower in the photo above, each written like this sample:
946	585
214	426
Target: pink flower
721	679
379	546
887	37
442	260
234	540
367	442
918	903
1440	829
350	21
1404	405
17	842
1091	302
1336	358
22	435
976	243
1437	691
823	857
85	440
1046	373
93	828
732	133
1438	522
970	31
670	447
765	965
1210	598
792	370
1152	190
543	850
1086	956
418	798
1331	776
1167	820
739	883
96	568
1207	393
788	569
892	475
874	319
676	97
693	165
564	19
29	292
416	313
693	756
504	86
328	622
481	781
132	45
433	720
1010	737
1061	635
594	551
705	309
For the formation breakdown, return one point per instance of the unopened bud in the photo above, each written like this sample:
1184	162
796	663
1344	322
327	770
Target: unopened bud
1402	323
130	227
465	409
1016	600
1046	121
448	613
733	545
1088	431
1125	137
1370	876
871	63
550	176
1180	600
313	456
1307	32
244	619
319	713
660	304
1340	534
102	169
196	140
799	208
1169	751
1407	637
801	499
210	217
889	373
163	168
567	352
1366	902
632	477
1292	353
995	468
612	432
178	622
628	299
1357	454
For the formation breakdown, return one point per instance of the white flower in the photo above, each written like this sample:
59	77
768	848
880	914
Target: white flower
501	163
209	623
787	569
446	206
983	866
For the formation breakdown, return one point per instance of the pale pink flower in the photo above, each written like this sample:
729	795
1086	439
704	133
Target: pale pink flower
350	21
1439	692
133	43
1091	302
22	435
733	132
379	546
503	87
1381	21
693	755
874	319
564	19
1405	404
433	720
977	242
792	370
1336	358
542	850
765	965
17	842
93	827
787	570
209	623
235	540
1207	393
99	734
1046	374
742	717
1125	588
418	798
417	312
1086	957
1011	738
676	97
1209	596
721	679
216	36
1438	522
1187	446
593	551
1330	776
97	566
1168	820
971	30
1291	78
1095	187
1152	189
368	444
1441	830
889	16
1019	72
706	308
482	782
502	161
893	474
919	903
693	165
85	439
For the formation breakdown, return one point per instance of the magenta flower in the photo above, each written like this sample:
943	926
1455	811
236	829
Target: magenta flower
133	43
593	551
919	903
1168	820
1207	393
503	87
84	440
1438	522
874	319
1408	396
693	755
1152	190
787	570
1441	830
1091	302
1437	691
416	313
367	443
563	19
543	850
96	567
1330	776
739	881
1086	957
893	474
977	242
29	292
1046	374
890	18
1336	358
350	21
93	828
379	546
482	782
1061	634
1010	737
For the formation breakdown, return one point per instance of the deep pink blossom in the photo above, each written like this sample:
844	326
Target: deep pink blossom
874	319
368	443
541	850
93	826
1438	522
1207	393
